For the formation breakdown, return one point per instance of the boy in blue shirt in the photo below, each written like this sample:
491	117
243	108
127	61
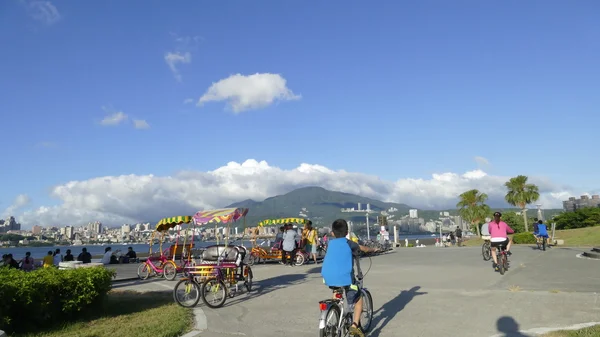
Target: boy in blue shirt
541	231
338	269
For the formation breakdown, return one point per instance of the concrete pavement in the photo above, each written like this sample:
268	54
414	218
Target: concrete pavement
420	292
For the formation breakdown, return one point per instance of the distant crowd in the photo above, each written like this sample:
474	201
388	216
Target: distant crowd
54	258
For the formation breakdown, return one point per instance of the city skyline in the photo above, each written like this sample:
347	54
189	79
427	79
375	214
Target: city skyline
200	105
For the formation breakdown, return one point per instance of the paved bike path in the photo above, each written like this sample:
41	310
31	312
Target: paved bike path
424	292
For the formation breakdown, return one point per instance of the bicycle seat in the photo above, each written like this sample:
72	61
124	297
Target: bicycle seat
337	288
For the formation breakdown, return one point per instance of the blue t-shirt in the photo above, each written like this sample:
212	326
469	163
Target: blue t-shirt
338	264
542	230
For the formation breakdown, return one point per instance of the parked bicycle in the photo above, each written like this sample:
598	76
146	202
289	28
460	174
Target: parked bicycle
336	314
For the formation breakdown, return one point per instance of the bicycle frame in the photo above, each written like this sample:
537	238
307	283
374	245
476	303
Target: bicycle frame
342	303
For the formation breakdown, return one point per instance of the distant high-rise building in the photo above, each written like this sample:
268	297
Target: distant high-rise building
36	229
95	227
573	204
10	225
125	229
69	233
413	214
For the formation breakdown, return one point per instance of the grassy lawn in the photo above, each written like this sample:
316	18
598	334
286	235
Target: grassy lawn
587	237
593	331
581	237
129	314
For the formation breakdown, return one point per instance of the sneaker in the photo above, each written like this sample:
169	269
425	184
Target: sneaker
356	331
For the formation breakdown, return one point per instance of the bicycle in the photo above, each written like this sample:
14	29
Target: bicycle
502	257
541	242
341	311
486	250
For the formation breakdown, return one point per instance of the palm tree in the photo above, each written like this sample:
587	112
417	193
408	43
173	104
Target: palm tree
472	207
521	194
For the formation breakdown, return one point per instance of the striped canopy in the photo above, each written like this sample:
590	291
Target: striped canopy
168	223
224	215
282	221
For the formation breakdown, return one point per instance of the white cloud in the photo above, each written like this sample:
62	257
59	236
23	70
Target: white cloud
43	11
114	118
249	92
175	58
141	124
188	101
20	201
482	161
131	198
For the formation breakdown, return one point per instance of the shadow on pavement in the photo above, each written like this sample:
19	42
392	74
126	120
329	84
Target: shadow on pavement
389	310
509	327
123	284
314	270
266	286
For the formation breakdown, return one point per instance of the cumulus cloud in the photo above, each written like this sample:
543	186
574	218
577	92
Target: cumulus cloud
141	124
43	11
20	201
249	92
131	198
175	58
114	118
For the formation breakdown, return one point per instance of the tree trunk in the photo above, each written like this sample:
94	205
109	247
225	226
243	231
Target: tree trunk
524	212
478	231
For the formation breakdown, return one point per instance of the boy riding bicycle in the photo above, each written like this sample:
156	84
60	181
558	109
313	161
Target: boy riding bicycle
540	231
338	269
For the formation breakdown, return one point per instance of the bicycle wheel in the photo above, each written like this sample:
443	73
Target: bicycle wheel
300	259
190	293
251	259
502	263
367	311
486	251
248	281
214	287
143	271
544	243
170	270
329	328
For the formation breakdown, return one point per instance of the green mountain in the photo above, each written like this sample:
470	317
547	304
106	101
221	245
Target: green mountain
322	206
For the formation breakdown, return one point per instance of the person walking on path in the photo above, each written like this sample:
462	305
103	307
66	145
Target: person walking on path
289	245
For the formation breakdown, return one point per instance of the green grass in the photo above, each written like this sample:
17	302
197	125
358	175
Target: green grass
130	314
593	331
581	237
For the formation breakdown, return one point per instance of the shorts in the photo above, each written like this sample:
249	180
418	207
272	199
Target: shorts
486	237
499	243
541	236
353	293
312	249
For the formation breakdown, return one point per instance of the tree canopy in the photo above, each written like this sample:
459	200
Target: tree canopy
520	194
583	217
472	208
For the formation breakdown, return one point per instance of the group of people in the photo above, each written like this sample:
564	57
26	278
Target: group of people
117	257
289	241
497	232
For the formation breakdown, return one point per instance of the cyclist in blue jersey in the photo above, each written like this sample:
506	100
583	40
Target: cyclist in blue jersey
541	231
338	268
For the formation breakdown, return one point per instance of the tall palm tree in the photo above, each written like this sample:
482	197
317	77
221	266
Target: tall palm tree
521	194
472	207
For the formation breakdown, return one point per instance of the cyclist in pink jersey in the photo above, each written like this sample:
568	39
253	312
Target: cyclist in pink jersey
498	233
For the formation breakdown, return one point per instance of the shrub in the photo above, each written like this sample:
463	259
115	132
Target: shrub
37	299
411	245
522	238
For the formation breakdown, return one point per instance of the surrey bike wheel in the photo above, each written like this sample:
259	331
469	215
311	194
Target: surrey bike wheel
329	328
486	251
170	271
300	259
187	293
214	288
248	281
143	271
366	317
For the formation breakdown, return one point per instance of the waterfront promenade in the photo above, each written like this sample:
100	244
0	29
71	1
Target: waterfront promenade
419	292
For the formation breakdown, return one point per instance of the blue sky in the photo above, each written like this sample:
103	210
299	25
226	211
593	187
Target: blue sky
395	89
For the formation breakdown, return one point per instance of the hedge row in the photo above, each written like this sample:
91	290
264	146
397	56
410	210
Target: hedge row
33	300
524	238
